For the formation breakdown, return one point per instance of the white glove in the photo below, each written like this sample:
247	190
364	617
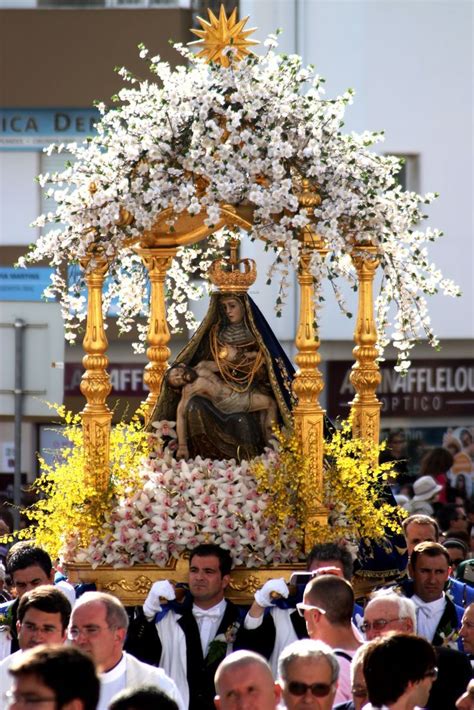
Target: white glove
263	596
158	591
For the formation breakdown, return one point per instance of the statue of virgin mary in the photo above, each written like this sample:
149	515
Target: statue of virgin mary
236	350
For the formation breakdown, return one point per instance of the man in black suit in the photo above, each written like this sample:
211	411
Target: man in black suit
190	639
438	618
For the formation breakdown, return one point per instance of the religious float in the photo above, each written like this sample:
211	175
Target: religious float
232	445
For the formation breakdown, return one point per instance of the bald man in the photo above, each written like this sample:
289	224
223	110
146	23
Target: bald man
244	679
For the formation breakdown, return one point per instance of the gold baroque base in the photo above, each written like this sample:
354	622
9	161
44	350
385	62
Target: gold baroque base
132	584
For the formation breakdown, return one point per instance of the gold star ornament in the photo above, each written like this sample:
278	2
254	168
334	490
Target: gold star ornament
220	33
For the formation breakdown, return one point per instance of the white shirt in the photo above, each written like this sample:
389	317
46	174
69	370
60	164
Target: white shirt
132	673
428	616
208	621
6	680
111	683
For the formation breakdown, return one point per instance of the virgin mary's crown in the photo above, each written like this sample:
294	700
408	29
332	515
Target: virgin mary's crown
227	275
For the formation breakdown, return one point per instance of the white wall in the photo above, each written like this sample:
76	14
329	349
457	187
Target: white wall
19	196
411	65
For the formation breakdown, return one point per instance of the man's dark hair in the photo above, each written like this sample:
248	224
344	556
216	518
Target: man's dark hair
430	549
46	598
419	519
224	556
147	697
29	556
66	670
334	595
391	662
328	551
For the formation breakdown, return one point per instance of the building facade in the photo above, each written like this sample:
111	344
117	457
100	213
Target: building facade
410	64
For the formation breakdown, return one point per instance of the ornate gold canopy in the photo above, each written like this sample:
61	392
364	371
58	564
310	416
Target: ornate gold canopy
158	246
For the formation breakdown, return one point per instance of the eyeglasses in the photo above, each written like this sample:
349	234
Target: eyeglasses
88	631
25	699
319	690
378	624
432	673
301	607
358	691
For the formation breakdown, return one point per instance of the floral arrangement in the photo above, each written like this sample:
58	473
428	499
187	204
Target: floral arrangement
202	135
157	507
179	504
354	488
69	504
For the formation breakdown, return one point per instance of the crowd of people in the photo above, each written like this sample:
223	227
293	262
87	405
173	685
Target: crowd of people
406	646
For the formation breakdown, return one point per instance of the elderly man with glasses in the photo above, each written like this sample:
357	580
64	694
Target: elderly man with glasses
387	611
98	627
308	674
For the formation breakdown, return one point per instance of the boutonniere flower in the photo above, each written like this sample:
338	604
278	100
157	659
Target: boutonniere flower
449	636
219	647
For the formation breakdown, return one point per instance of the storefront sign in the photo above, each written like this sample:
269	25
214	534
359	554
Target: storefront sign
23	284
35	128
431	388
126	379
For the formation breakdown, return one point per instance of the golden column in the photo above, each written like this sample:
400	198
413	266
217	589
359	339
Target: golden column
157	261
308	383
365	375
95	383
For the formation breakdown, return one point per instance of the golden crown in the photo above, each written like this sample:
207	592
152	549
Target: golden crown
226	273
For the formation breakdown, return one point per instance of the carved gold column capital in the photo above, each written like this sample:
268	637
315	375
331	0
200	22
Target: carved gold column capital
95	383
157	261
365	375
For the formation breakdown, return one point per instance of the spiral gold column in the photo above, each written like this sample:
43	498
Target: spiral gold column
157	261
95	383
365	375
307	386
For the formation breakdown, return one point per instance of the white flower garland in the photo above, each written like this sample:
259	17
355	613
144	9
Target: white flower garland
246	131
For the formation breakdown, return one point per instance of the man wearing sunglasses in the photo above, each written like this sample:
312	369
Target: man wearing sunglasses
327	607
272	622
308	673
